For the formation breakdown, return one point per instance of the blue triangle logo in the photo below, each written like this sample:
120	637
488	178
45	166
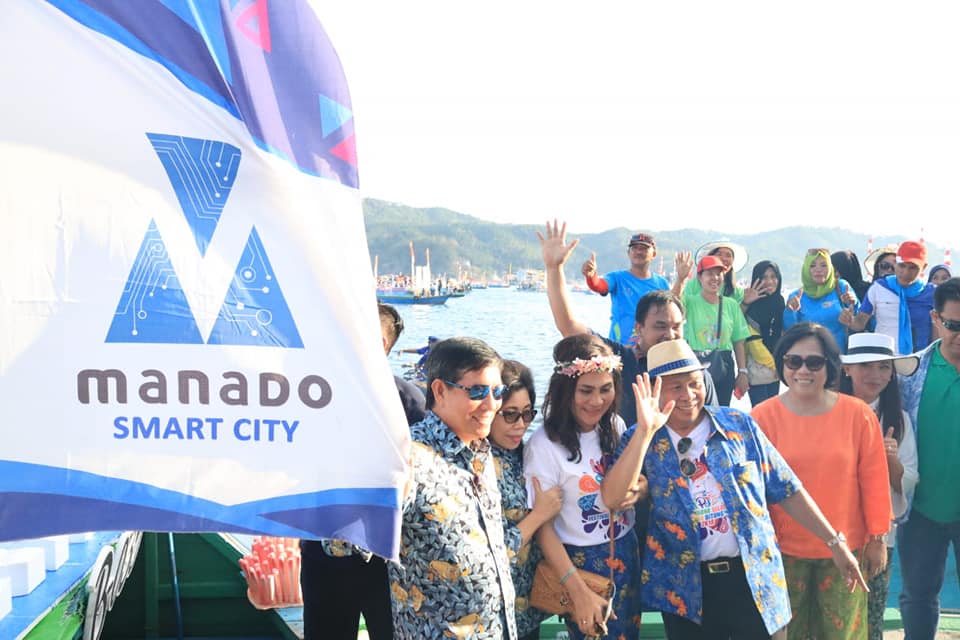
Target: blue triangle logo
201	173
332	115
254	311
153	307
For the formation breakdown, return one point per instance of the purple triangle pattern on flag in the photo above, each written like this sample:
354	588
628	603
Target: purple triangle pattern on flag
274	97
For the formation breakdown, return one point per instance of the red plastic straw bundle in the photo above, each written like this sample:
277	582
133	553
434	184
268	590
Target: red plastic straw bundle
272	570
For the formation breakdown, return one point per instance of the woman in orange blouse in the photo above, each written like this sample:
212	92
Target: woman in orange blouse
834	444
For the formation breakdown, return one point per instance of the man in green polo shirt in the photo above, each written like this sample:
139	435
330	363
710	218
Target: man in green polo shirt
932	398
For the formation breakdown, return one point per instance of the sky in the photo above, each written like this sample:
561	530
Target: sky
738	117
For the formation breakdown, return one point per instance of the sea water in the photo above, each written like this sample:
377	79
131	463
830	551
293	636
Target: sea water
519	325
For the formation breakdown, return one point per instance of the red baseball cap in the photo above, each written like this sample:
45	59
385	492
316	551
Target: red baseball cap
710	262
912	252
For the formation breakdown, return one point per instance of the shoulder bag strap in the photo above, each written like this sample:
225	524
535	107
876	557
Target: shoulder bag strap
719	320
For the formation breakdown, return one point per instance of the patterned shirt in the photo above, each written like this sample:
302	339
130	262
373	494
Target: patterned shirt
453	580
751	475
523	559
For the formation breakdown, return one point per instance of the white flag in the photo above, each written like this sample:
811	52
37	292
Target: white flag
189	334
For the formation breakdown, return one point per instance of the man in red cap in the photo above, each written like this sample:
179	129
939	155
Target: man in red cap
900	302
628	286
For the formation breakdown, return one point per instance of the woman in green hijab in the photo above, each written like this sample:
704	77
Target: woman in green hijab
822	296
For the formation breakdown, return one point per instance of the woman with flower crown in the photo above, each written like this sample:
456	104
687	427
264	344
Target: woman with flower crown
581	431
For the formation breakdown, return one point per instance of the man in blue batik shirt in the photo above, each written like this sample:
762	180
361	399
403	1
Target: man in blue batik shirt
711	562
453	580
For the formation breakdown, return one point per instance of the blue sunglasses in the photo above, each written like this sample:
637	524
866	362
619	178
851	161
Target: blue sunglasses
480	391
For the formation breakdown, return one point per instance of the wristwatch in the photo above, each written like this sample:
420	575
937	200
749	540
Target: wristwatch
880	537
837	539
743	371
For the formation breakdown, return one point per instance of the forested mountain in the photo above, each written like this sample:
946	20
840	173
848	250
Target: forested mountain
487	248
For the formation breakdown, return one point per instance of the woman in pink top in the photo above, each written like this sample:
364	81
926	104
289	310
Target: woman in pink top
834	444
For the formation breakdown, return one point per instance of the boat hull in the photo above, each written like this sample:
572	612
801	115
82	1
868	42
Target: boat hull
400	299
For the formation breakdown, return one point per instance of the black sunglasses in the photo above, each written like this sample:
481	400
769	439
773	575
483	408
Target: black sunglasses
480	391
814	363
886	266
510	416
687	466
949	325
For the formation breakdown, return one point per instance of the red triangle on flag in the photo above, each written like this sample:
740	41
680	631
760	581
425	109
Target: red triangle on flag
254	23
346	151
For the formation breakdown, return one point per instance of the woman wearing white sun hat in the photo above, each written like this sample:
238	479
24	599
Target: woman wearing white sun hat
734	257
869	366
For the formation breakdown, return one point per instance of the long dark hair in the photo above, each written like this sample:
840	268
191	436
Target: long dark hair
889	409
729	285
558	417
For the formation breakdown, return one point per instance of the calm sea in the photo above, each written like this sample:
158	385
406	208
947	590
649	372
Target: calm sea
519	326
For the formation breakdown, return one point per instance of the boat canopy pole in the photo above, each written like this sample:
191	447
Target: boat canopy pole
175	580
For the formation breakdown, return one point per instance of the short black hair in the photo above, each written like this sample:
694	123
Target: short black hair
450	359
391	324
949	290
658	298
516	375
828	344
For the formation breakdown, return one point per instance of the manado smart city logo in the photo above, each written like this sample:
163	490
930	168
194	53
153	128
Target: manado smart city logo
153	307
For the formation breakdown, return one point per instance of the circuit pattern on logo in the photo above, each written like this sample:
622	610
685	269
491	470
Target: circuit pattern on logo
202	173
255	311
153	307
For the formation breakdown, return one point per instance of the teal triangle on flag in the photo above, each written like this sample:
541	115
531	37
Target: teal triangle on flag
332	115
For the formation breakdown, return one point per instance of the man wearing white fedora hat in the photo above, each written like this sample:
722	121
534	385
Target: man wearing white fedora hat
711	562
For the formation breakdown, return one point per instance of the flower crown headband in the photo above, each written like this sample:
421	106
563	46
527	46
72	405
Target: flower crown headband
579	366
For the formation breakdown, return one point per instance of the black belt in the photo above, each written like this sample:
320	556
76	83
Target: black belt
721	565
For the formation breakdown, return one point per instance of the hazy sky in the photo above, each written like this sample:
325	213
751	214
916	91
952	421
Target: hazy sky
734	116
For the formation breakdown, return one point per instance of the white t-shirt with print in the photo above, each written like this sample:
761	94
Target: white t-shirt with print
583	520
710	516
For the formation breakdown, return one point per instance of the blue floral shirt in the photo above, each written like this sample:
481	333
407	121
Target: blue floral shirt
751	475
453	580
523	559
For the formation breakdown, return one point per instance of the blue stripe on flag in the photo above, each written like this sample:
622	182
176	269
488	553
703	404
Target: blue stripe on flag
100	15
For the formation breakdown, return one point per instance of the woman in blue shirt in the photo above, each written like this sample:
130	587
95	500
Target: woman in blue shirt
822	297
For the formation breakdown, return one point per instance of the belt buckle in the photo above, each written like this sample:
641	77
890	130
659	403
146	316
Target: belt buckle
723	566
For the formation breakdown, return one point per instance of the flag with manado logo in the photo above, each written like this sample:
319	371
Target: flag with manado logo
190	340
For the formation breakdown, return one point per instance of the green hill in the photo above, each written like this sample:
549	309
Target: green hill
487	248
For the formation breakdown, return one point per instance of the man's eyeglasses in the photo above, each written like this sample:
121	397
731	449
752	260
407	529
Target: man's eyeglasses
480	391
687	466
814	363
510	416
950	325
